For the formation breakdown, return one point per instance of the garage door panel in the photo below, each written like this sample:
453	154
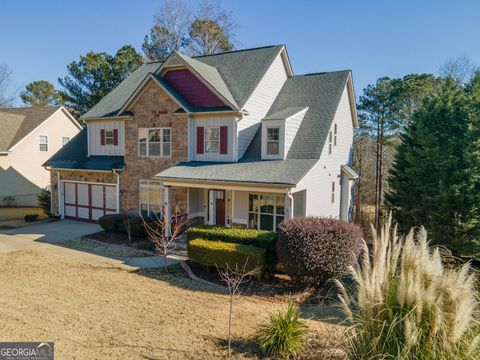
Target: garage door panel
82	194
110	197
70	211
69	191
97	214
97	196
89	201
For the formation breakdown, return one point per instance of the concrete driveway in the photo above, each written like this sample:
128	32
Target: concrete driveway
47	236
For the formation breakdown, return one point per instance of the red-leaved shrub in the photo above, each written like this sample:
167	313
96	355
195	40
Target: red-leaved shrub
314	250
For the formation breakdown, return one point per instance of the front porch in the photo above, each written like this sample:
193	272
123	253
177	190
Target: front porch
258	207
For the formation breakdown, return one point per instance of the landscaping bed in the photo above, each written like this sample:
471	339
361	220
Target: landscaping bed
105	249
107	237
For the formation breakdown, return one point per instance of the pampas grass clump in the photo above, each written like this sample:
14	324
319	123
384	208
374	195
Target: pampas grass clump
407	305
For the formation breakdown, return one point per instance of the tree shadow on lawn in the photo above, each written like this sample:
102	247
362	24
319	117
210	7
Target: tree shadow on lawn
328	312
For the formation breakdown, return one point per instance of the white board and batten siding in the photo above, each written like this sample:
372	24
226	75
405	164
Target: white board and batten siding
318	181
95	147
259	103
229	122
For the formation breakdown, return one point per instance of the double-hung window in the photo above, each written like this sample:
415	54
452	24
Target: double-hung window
150	198
43	142
154	142
333	192
335	135
273	141
330	143
212	140
265	212
108	137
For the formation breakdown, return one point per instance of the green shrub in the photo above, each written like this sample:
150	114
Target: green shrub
408	305
110	222
44	200
223	255
31	217
259	238
283	334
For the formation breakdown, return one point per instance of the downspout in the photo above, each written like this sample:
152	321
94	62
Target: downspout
59	197
117	191
289	194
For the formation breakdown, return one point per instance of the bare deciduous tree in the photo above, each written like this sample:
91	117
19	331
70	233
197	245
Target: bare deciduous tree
234	280
5	81
212	30
164	230
127	221
461	68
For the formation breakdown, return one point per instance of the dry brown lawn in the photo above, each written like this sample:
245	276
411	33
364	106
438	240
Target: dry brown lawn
113	313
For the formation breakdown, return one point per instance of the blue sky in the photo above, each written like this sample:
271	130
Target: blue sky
372	38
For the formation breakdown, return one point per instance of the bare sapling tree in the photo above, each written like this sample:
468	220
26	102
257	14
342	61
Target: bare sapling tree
235	278
164	230
127	221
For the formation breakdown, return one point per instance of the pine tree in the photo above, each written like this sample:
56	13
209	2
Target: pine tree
432	181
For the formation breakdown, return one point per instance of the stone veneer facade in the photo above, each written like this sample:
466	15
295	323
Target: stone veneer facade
154	108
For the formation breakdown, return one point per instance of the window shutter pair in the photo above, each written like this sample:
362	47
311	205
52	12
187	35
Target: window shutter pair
115	136
223	140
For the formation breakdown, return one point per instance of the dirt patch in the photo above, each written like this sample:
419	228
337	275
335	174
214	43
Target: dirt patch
104	249
122	239
94	312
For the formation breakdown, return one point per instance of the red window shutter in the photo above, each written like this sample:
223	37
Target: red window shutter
115	136
200	135
223	139
102	136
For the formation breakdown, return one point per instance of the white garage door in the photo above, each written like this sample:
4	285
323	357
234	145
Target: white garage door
89	202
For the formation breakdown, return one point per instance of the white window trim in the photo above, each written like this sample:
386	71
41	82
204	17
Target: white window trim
333	192
147	146
259	213
40	143
335	129
274	141
147	184
109	139
205	140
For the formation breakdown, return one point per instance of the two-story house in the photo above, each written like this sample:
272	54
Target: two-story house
233	139
29	136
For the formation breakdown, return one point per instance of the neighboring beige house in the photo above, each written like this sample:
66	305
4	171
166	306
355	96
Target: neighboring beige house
29	137
229	139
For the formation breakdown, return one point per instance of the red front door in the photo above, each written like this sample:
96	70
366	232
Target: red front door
220	208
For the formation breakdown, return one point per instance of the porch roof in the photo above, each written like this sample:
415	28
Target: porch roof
276	172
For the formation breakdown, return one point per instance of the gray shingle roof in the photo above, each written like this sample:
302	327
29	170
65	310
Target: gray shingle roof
285	113
16	123
74	156
239	72
321	93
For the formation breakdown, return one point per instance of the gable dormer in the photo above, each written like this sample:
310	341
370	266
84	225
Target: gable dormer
278	131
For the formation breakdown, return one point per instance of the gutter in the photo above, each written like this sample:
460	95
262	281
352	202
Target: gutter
117	191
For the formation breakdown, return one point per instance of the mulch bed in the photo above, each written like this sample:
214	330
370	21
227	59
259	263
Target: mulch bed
121	239
276	288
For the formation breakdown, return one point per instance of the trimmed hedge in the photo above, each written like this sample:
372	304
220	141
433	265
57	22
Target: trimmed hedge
259	238
223	255
314	250
114	223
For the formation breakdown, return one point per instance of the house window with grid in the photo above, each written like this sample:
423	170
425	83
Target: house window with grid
265	212
150	198
212	140
335	135
330	143
43	142
154	142
333	192
108	137
65	140
273	141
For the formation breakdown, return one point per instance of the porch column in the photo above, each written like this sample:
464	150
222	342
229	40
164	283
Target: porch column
166	208
211	207
288	205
